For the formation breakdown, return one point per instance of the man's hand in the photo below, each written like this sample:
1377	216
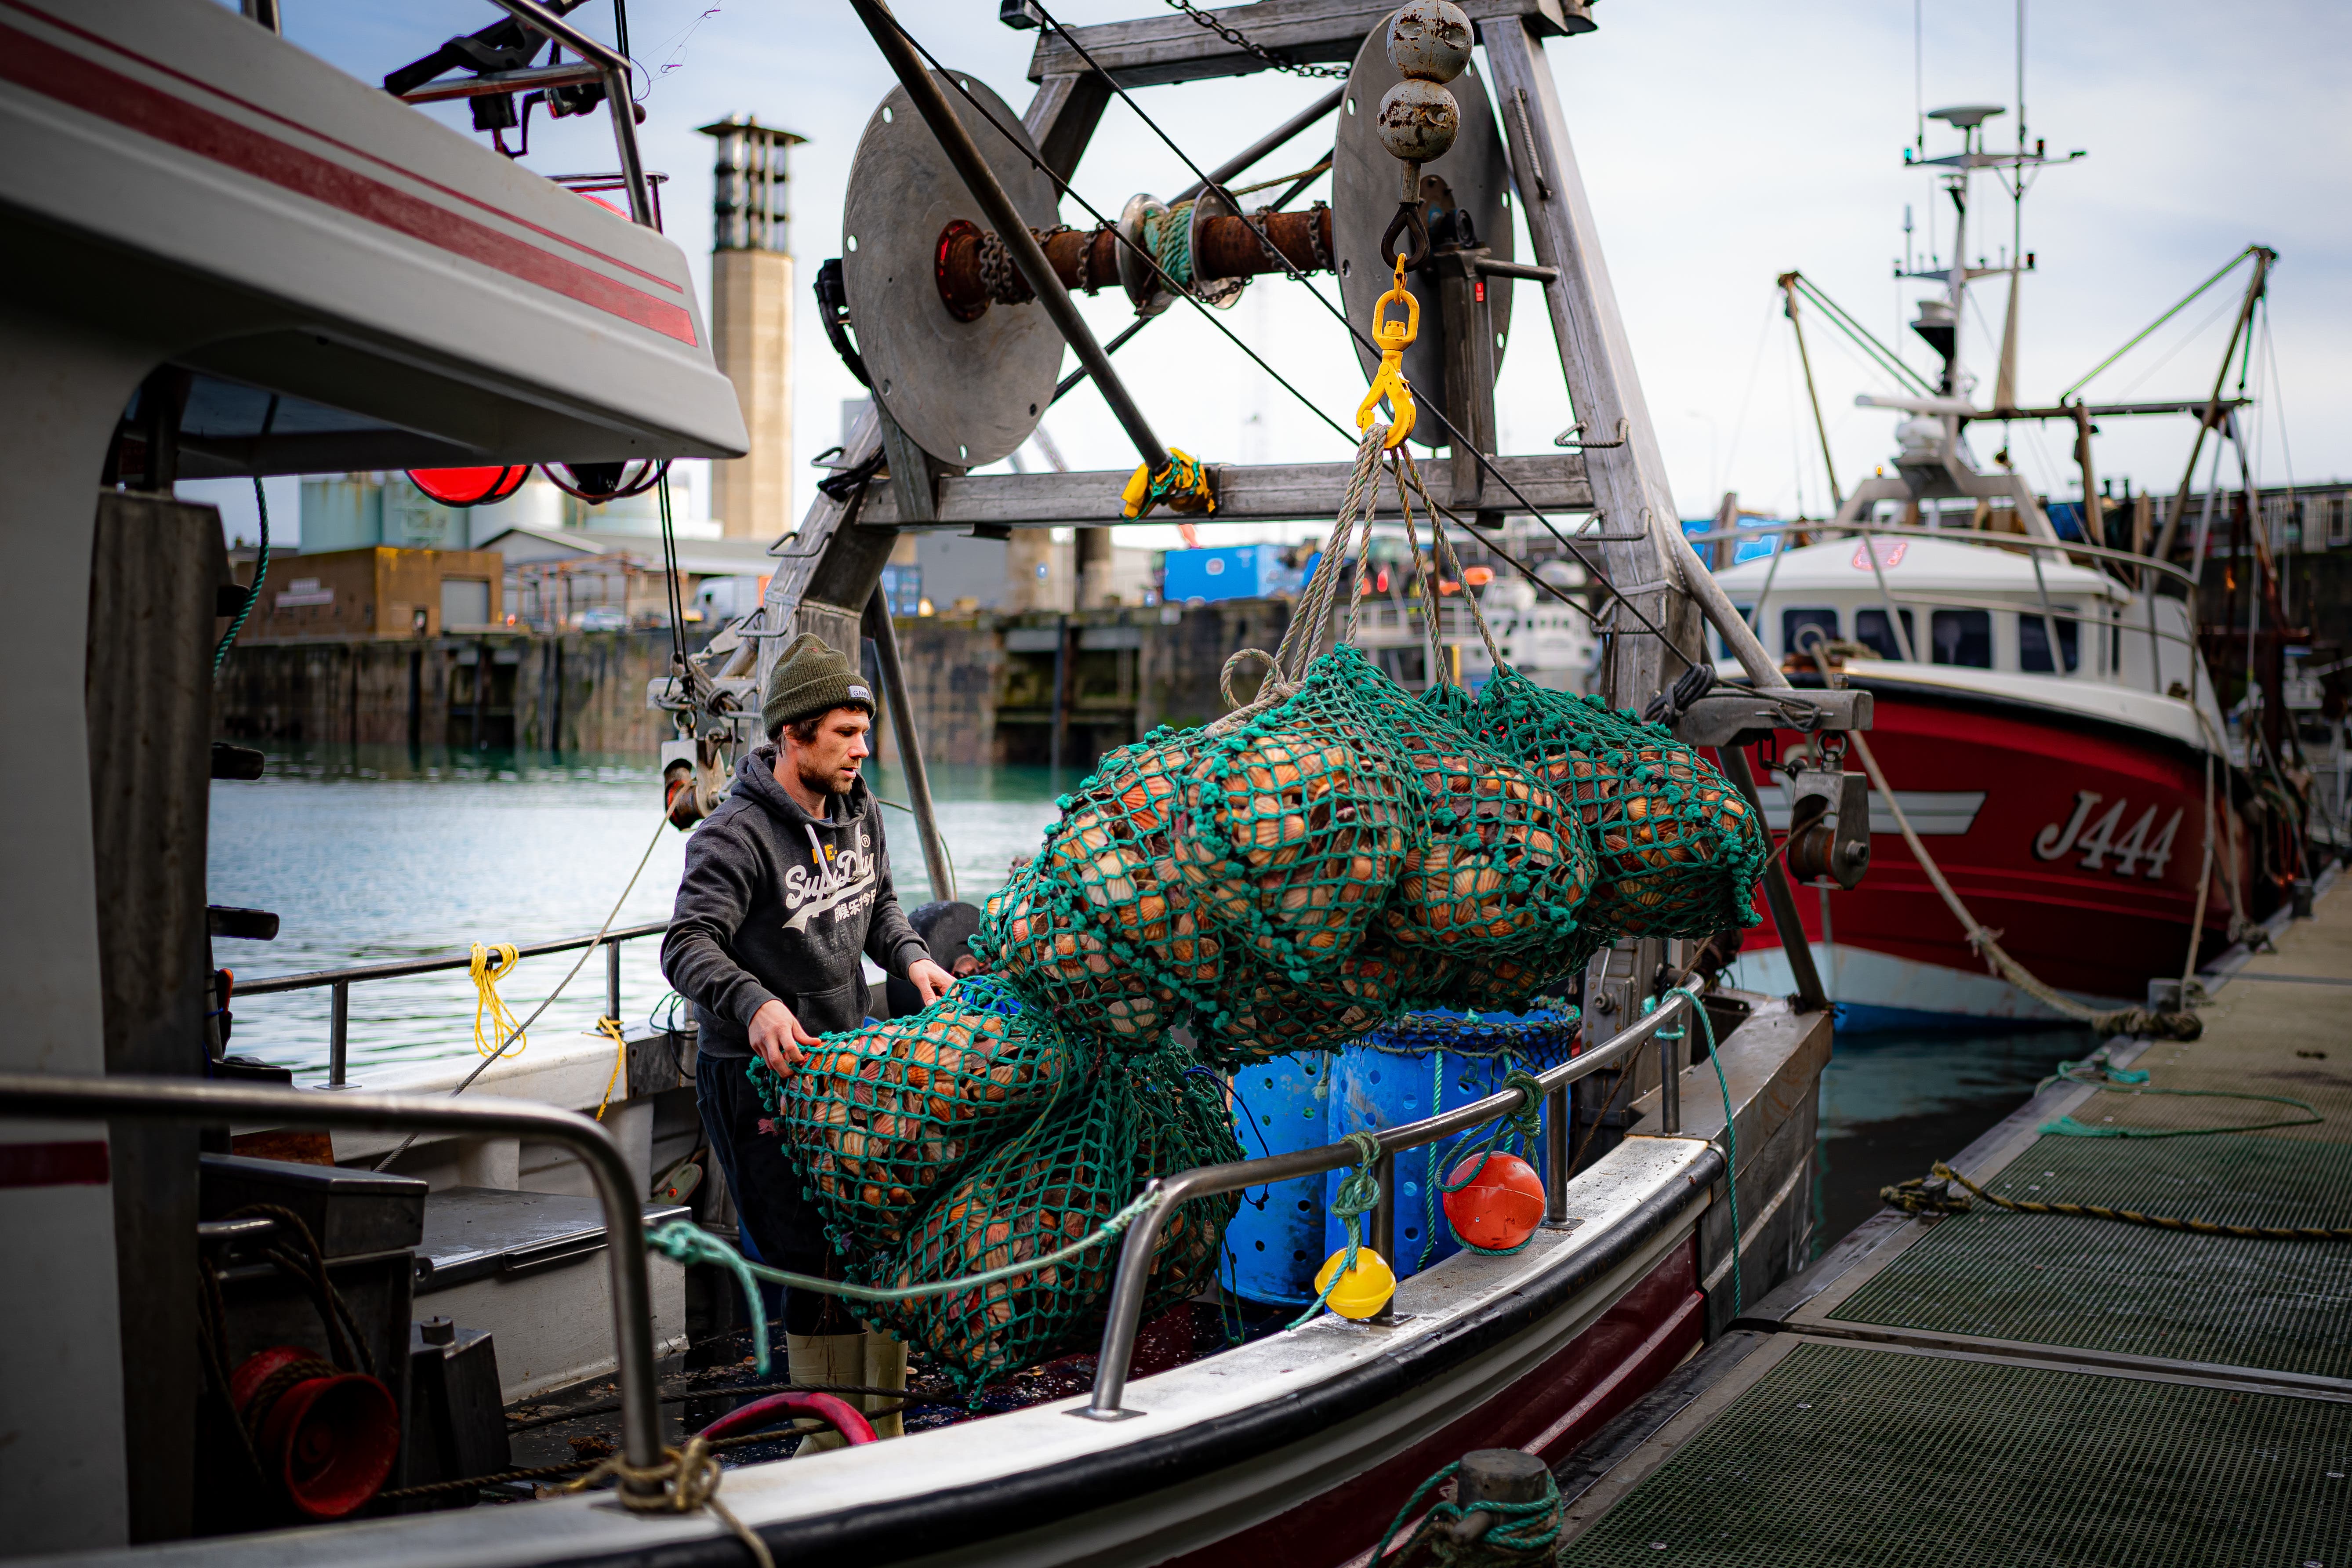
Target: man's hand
778	1036
928	979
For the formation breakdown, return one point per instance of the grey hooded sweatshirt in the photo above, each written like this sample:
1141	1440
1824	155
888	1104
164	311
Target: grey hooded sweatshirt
776	905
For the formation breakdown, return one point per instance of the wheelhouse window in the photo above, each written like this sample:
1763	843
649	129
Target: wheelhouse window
1794	622
2033	642
1962	638
1874	631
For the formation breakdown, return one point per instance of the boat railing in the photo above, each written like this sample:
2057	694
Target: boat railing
1956	536
1142	1236
132	1099
2035	547
339	981
597	63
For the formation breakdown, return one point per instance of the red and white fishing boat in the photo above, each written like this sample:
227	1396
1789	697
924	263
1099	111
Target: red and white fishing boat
2042	713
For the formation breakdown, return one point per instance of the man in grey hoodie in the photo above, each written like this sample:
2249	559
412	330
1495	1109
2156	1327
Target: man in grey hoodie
786	884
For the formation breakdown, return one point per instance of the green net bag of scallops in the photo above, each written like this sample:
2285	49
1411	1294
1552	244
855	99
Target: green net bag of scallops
881	1116
1101	924
1142	1115
1679	849
1293	821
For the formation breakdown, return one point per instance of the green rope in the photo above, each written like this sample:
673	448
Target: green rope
260	571
2110	1075
1521	1529
683	1241
1169	239
1730	1135
1523	1124
1356	1196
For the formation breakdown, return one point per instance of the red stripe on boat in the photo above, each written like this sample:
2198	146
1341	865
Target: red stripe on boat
81	1163
84	84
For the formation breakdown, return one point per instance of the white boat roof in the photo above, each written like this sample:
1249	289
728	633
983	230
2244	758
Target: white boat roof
1926	565
177	173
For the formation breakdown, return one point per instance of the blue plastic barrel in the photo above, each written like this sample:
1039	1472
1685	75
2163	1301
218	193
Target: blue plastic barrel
1274	1244
1422	1064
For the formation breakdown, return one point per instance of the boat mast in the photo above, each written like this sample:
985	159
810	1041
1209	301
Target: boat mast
1821	425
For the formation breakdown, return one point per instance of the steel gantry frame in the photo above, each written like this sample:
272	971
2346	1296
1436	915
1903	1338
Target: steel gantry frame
826	570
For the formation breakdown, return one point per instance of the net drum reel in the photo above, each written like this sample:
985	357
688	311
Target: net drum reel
967	391
1464	200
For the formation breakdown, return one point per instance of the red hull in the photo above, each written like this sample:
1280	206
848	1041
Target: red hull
2083	855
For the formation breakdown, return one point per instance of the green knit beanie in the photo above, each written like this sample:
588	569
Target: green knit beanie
811	677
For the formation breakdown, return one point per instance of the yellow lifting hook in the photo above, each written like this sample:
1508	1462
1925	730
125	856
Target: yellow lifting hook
1389	382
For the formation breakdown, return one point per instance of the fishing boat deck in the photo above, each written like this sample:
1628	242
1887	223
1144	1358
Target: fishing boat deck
1997	1387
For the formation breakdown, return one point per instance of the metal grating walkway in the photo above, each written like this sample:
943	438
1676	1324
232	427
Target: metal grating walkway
2279	1305
1842	1457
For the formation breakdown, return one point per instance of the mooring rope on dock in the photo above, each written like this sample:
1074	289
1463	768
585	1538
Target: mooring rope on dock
1932	1194
1514	1532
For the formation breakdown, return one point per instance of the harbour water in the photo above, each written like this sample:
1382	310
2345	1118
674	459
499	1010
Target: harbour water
373	853
370	855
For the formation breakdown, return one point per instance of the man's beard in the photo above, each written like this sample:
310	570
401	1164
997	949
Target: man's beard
822	783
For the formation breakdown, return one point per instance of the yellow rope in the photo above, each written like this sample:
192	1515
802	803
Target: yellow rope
611	1029
491	965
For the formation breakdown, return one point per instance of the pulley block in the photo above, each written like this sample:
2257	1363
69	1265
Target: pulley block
1462	189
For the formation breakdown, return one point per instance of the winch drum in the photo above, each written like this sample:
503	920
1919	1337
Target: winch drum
966	392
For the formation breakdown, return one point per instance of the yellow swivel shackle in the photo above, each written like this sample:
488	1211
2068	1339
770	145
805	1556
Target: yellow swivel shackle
1389	382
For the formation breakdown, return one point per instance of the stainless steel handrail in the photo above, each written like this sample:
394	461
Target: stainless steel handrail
396	968
1143	1236
39	1096
617	100
1952	535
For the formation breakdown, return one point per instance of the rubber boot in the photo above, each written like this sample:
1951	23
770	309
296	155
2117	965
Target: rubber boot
885	1367
824	1360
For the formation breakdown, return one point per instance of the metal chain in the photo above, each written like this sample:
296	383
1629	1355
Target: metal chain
1334	72
1000	275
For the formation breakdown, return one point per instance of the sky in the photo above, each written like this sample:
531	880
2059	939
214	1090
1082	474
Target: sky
1721	144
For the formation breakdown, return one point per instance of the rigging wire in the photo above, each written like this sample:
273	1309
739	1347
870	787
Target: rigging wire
1454	434
2140	336
2187	340
1739	425
1648	626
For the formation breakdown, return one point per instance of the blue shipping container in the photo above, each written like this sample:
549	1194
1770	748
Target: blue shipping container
1226	572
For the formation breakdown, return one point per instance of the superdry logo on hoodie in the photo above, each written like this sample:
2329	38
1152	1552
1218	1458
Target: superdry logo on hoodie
840	884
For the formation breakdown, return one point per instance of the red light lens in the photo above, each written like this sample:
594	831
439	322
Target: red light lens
469	487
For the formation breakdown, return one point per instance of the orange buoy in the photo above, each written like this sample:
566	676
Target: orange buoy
1497	1209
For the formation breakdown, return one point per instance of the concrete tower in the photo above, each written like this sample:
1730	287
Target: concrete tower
751	320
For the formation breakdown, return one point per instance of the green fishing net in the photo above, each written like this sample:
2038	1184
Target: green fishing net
1499	869
879	1117
1140	1116
1267	1014
1293	824
1679	849
1101	924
